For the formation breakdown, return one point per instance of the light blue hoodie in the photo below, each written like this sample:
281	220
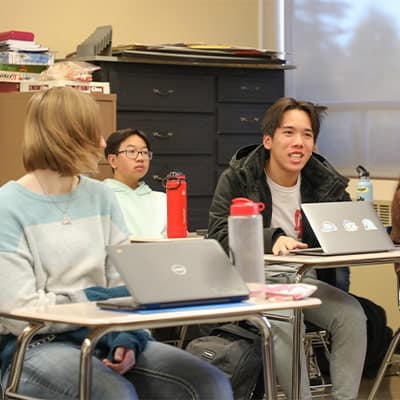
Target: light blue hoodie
144	210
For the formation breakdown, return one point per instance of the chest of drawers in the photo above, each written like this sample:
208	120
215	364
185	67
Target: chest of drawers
196	117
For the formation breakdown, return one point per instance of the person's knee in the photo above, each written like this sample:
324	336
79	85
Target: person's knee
167	369
350	319
354	311
215	380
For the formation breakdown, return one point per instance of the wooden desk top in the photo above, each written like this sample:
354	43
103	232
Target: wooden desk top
190	236
88	314
332	261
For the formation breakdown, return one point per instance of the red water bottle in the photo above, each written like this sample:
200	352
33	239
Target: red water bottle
176	204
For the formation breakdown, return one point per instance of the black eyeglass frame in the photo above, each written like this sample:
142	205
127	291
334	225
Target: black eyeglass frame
141	152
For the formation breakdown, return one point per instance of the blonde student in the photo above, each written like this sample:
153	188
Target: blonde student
55	226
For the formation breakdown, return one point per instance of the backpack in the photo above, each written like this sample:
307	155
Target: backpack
237	352
379	336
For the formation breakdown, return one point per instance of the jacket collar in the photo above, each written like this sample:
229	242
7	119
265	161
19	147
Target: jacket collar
249	163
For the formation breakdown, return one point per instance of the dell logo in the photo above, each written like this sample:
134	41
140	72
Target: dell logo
178	269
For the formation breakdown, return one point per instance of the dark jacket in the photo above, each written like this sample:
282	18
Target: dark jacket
245	177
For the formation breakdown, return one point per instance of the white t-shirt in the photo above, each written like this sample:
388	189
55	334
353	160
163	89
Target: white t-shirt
286	212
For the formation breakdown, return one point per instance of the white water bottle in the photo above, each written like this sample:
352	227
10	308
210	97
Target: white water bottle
364	185
246	239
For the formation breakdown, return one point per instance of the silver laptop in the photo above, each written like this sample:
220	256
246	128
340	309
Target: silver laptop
175	273
345	228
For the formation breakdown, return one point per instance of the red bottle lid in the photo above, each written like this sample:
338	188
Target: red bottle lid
242	206
174	179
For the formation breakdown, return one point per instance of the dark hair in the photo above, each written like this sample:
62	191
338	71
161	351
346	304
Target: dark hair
274	114
117	137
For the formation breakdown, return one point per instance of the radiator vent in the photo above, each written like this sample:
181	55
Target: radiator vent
384	210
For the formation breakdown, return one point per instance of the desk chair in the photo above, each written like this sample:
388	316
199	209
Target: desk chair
316	340
390	358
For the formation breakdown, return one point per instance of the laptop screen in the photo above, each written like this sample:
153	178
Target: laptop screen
180	272
347	227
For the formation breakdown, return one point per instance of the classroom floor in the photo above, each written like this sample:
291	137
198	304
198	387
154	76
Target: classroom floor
389	388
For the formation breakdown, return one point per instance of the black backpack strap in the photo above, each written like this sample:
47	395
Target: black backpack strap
236	330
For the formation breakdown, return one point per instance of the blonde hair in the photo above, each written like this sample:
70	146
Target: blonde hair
62	132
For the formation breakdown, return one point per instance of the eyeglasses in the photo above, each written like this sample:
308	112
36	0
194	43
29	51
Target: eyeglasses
133	154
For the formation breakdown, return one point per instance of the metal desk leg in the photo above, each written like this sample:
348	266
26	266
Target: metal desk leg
385	363
267	354
296	367
85	372
18	358
297	343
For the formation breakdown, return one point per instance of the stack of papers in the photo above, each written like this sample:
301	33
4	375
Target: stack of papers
202	51
21	45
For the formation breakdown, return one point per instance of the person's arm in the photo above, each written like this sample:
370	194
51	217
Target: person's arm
20	287
124	360
118	234
225	191
228	188
42	266
122	348
284	244
395	232
125	348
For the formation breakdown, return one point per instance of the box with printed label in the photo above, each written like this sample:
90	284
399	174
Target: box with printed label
86	87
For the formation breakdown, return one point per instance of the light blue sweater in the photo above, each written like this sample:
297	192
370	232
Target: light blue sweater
145	210
44	262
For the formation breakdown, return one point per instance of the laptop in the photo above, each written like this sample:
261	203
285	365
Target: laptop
345	228
175	273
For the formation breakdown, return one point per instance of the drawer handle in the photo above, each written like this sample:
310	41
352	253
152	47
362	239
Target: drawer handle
249	120
161	93
161	135
250	89
158	178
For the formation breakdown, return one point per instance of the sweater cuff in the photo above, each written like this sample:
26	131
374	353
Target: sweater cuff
96	293
134	340
71	297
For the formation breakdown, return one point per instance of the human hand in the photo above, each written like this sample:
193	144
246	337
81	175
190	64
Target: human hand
124	360
284	244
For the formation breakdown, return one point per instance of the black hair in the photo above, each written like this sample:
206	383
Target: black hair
116	138
274	114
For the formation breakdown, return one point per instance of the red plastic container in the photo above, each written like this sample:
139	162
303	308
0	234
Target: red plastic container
176	189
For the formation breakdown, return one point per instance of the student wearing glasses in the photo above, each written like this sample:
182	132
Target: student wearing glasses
145	210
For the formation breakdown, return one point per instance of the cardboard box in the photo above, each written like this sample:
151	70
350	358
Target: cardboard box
86	87
21	57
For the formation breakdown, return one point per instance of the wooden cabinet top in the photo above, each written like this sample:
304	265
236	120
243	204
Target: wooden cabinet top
186	61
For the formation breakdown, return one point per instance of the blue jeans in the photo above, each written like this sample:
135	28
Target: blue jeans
51	371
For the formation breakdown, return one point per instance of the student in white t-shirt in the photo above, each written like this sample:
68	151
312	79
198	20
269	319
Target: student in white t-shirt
283	172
